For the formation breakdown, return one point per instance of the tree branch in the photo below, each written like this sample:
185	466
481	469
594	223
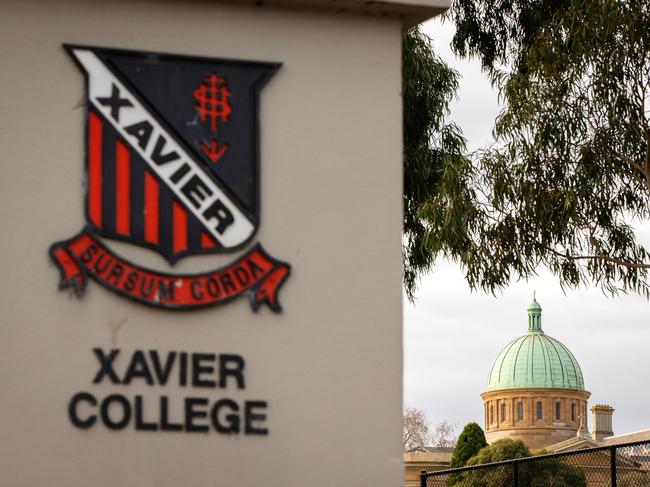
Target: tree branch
647	159
606	258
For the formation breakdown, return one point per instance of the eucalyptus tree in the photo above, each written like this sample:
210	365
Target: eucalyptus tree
566	183
434	165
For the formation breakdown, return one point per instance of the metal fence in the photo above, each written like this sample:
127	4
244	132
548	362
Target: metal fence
624	465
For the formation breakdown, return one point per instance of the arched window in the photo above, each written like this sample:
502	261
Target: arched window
557	411
491	414
520	411
573	412
503	411
539	409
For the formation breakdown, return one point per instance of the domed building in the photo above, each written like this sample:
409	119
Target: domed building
536	393
536	390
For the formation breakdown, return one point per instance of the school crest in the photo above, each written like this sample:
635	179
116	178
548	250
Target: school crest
172	164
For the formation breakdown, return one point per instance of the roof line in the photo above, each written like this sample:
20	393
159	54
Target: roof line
627	434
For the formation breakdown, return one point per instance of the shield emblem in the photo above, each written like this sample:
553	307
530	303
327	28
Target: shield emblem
172	156
172	164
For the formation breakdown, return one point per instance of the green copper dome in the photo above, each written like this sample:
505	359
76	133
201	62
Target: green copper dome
535	360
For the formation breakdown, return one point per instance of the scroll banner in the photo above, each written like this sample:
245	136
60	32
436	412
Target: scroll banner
255	274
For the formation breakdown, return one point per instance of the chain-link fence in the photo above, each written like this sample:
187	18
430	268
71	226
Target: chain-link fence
625	465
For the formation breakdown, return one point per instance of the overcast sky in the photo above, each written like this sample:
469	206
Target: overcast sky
452	336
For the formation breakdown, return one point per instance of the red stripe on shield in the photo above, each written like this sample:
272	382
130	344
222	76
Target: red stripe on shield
151	208
179	228
95	168
206	241
122	188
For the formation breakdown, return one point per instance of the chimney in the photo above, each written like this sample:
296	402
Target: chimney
602	421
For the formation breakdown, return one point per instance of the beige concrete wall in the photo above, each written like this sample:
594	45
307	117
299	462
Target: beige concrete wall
329	365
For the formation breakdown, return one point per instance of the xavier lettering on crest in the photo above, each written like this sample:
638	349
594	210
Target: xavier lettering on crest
172	165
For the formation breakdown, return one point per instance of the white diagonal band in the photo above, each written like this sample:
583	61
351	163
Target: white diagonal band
197	191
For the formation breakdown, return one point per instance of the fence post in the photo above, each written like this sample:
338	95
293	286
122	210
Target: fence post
516	473
612	460
423	478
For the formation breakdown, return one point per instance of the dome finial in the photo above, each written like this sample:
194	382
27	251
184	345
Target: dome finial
535	315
